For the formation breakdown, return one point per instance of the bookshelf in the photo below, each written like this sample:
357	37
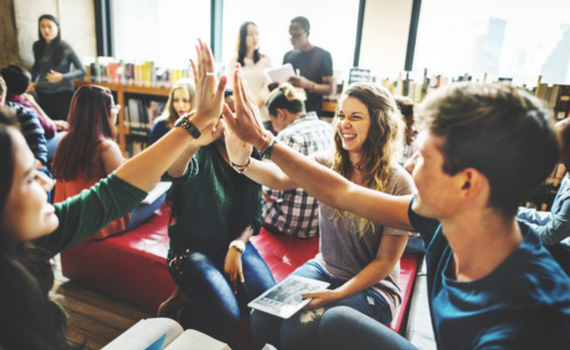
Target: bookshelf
122	94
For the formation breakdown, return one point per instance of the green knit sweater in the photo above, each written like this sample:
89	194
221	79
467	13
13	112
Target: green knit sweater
212	202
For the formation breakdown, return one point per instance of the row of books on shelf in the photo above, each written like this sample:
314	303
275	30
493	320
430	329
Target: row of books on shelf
139	73
556	97
140	115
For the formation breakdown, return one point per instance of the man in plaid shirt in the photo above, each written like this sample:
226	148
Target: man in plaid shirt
294	212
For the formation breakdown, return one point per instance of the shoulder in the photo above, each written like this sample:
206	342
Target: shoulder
290	55
65	45
321	51
108	147
400	180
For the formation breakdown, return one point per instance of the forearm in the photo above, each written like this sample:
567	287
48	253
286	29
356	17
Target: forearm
369	276
79	71
246	235
321	89
145	169
332	189
269	175
179	166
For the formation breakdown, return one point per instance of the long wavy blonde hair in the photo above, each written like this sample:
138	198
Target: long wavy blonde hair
382	148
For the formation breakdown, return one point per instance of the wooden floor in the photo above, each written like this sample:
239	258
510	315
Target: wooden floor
93	318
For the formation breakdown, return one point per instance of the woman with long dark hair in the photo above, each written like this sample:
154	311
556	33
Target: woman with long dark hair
52	72
88	153
253	63
32	230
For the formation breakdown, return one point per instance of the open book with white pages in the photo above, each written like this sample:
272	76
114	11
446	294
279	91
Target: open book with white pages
285	299
163	333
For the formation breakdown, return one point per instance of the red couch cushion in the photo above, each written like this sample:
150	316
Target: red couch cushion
132	266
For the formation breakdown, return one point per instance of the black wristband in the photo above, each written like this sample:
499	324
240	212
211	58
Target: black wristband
184	122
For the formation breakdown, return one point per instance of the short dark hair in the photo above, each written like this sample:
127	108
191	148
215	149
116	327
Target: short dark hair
17	79
501	131
304	22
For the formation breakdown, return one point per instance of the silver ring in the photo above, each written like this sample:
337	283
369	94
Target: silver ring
210	74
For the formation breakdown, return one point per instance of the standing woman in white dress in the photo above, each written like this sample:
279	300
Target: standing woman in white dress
253	64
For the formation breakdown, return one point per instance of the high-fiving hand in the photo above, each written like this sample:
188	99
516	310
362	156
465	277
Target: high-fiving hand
209	92
246	123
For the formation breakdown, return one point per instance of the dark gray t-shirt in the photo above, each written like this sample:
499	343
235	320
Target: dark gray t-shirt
313	65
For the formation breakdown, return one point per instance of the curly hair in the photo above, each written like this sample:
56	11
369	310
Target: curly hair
381	149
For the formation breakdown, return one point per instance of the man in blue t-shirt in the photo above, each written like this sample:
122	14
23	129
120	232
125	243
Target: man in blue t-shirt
313	65
491	284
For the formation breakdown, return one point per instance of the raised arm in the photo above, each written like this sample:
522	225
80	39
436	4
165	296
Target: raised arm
322	183
145	169
264	173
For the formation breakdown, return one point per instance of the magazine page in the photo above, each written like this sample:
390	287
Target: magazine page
147	334
157	191
280	74
285	299
192	339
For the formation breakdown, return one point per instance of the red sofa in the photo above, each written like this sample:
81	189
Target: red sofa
132	266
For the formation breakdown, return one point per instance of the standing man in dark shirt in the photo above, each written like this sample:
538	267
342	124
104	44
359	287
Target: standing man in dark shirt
313	65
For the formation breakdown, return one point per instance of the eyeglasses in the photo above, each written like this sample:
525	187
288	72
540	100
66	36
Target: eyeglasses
115	109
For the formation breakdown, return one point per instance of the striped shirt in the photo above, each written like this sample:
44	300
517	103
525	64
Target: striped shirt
32	130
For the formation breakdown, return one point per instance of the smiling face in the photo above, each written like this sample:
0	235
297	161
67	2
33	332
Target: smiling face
181	101
27	214
353	124
49	29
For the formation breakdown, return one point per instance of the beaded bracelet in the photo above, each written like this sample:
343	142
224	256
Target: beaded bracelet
267	153
240	168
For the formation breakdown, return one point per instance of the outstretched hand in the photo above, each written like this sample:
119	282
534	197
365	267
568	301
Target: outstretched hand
246	124
238	150
209	93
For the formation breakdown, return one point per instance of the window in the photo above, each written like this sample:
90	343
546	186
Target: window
510	38
333	27
161	31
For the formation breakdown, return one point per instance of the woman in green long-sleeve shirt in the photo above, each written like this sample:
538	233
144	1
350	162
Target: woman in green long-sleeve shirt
32	230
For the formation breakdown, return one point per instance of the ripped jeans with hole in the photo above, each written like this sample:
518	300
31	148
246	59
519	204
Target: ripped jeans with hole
301	331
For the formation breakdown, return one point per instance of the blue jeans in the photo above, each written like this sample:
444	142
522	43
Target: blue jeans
301	331
199	272
345	328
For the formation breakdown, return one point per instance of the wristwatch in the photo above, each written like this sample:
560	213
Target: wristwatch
238	245
184	122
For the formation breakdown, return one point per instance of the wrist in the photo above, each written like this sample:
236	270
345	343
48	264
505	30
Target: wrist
237	245
187	122
242	166
262	140
312	85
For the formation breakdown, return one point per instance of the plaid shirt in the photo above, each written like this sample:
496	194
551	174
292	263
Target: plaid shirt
294	212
